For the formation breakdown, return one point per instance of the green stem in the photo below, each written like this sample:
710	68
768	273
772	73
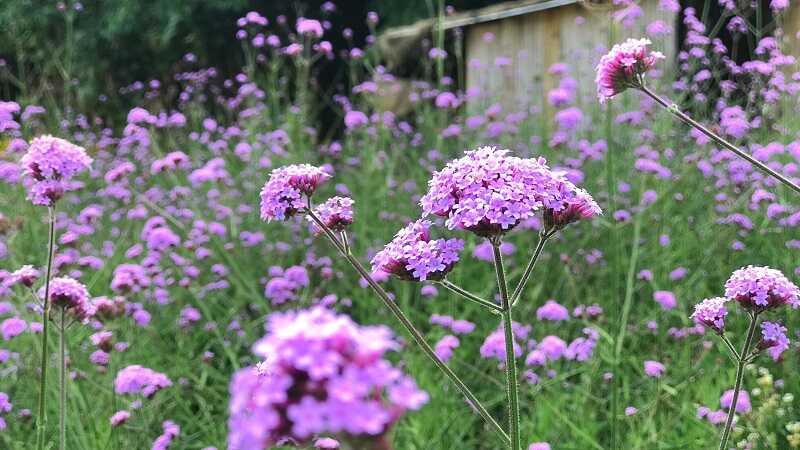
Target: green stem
512	386
629	289
751	331
470	296
529	269
62	372
41	418
672	108
415	334
734	354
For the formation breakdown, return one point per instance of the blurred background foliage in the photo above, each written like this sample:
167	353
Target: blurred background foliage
78	52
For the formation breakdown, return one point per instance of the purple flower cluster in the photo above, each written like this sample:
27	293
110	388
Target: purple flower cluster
489	192
12	327
136	379
624	67
164	441
52	162
70	294
761	288
285	284
413	256
336	213
773	339
711	312
322	373
579	206
283	194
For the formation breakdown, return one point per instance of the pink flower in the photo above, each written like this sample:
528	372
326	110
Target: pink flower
654	369
323	374
413	256
666	299
336	213
761	288
355	119
309	27
624	67
742	402
52	162
283	194
119	418
711	312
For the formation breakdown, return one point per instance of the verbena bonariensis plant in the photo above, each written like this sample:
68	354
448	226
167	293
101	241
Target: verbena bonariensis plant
487	192
626	66
758	291
51	163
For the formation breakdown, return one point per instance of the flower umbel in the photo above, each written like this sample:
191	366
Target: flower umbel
327	374
413	256
70	294
624	67
489	192
760	288
579	206
336	213
52	162
711	312
283	194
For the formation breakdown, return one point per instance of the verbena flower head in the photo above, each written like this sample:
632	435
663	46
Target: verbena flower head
323	374
136	379
624	67
70	294
654	369
760	288
283	194
336	213
54	158
489	192
26	275
52	162
413	256
711	312
773	339
579	206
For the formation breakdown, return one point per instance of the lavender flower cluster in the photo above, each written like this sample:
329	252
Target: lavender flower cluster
283	194
52	163
489	192
322	374
623	66
413	255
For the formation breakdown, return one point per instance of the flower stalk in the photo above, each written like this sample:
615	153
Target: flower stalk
751	331
675	111
543	237
41	418
496	309
512	385
62	377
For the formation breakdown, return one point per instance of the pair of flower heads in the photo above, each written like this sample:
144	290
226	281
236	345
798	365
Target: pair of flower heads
487	191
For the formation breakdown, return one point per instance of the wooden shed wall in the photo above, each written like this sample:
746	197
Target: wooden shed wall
533	42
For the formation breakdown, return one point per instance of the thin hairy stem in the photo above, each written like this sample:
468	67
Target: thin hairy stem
751	331
672	108
470	296
529	269
512	386
41	418
734	353
62	372
345	241
415	334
